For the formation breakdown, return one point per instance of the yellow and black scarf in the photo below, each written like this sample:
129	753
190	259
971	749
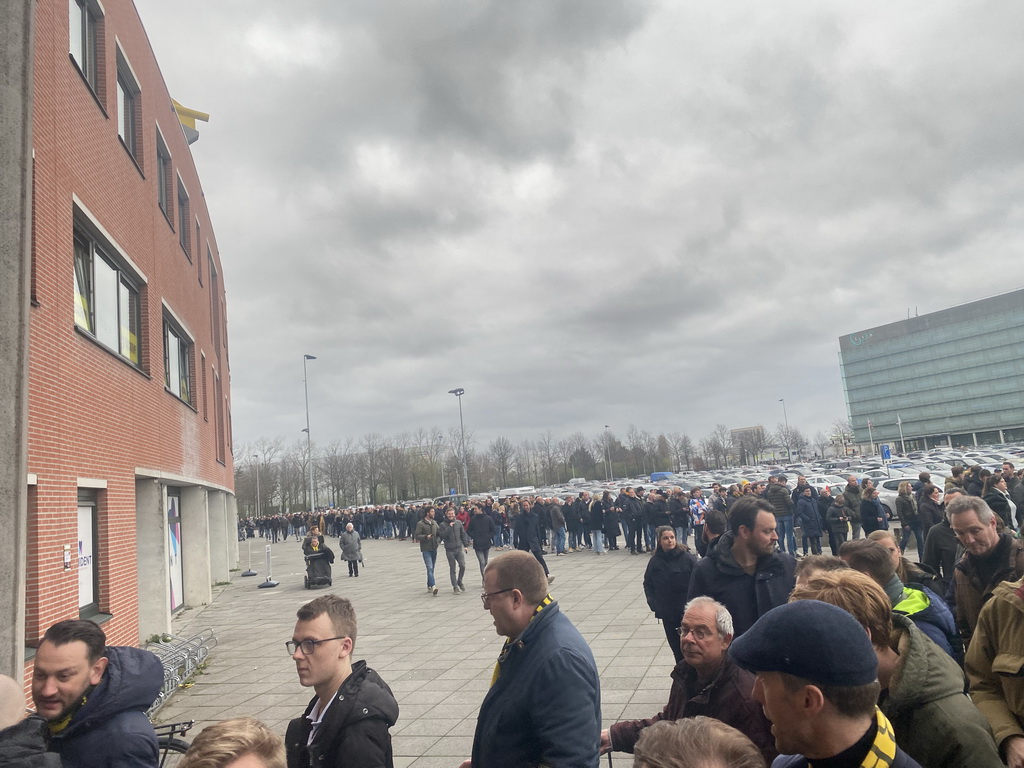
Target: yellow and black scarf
510	641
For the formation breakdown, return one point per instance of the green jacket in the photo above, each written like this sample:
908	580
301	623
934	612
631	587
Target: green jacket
425	528
935	721
995	659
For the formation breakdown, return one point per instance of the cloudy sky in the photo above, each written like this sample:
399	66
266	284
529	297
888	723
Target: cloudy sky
593	212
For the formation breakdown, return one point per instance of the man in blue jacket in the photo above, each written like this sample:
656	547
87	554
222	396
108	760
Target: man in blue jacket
95	697
544	704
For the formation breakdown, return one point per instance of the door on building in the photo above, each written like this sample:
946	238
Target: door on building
87	604
174	547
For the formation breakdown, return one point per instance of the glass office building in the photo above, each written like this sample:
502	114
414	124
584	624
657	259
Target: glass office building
954	377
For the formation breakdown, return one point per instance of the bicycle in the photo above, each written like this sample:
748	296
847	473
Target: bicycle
172	749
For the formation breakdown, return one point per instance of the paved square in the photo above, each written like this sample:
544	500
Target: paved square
436	653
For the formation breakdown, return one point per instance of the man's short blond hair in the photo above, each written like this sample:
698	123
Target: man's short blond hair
222	743
857	594
520	570
695	742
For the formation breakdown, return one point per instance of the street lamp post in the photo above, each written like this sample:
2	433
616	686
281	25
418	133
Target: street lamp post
257	457
309	442
459	392
608	454
785	417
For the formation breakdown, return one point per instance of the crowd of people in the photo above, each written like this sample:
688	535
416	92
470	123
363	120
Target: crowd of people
784	658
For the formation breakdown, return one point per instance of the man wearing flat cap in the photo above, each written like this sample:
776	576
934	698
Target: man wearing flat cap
816	677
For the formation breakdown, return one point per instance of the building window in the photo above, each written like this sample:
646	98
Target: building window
106	297
214	306
163	176
178	350
183	219
206	412
85	40
88	572
129	107
218	408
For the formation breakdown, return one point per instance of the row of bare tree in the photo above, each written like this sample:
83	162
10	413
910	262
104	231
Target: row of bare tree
272	477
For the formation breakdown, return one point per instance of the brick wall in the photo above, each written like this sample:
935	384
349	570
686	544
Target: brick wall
91	413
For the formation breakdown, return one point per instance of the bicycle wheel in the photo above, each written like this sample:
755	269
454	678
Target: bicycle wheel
172	751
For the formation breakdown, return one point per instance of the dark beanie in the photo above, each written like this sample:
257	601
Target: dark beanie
809	639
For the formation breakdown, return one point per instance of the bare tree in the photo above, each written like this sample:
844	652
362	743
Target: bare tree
548	456
372	464
723	441
682	449
798	441
784	437
821	442
501	452
842	432
635	443
757	439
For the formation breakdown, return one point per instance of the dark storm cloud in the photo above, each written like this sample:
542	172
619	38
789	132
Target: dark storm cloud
590	213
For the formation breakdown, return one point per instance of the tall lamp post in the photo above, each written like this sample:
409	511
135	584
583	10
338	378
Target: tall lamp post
608	454
459	392
309	442
257	457
785	417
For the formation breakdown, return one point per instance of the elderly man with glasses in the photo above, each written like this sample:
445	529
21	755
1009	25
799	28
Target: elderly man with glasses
704	683
346	723
544	704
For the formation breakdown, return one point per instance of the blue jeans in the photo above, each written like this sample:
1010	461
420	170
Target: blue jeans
786	535
682	534
914	526
598	537
559	540
429	558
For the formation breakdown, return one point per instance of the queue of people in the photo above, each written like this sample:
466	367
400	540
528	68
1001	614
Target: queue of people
793	661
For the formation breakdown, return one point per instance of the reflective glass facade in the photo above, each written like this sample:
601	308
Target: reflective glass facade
954	376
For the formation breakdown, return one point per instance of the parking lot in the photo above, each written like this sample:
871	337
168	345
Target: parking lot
436	653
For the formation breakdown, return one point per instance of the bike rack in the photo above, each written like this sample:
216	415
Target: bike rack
180	657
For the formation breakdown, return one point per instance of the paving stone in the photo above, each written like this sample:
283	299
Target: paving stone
436	653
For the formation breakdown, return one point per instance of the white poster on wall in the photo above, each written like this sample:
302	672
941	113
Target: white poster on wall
86	561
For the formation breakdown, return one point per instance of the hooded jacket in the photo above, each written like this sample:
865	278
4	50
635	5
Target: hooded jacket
935	722
111	728
747	596
354	731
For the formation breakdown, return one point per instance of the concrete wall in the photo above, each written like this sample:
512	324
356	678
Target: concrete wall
195	546
16	39
151	551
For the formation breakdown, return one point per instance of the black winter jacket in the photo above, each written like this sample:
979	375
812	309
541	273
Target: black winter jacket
746	596
354	731
667	582
481	530
23	745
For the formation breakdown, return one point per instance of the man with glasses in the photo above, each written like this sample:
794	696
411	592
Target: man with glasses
347	721
544	704
705	682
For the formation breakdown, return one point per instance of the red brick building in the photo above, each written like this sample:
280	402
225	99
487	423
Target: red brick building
131	503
